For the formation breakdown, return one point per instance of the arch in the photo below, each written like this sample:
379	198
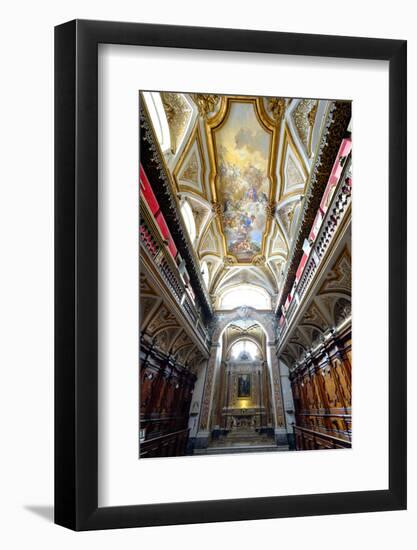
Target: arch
245	275
252	331
312	326
326	302
265	319
202	208
342	310
249	295
246	339
245	346
225	318
295	342
316	337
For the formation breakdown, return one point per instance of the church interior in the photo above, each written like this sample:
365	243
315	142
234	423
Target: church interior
245	274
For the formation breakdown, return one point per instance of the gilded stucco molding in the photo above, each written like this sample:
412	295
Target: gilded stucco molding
206	103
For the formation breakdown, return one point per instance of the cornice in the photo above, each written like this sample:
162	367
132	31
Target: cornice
336	126
155	168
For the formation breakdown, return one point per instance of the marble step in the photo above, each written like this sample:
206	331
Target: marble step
253	440
241	449
240	442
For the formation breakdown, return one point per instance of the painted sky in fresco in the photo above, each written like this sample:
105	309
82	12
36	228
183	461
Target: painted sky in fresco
243	186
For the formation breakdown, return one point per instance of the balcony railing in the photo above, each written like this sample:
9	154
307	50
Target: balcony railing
333	218
156	249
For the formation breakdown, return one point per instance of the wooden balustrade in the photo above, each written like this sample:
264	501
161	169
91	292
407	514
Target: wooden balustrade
173	444
306	439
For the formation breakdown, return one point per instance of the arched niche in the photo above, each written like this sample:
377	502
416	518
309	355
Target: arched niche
267	322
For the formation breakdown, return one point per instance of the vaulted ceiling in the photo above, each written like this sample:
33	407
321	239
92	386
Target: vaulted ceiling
243	165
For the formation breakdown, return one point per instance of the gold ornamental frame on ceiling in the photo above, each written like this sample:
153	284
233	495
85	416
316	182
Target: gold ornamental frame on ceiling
273	128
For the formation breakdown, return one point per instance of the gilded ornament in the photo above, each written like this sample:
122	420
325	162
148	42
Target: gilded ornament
178	113
228	260
312	114
270	209
304	116
258	260
276	106
206	103
216	208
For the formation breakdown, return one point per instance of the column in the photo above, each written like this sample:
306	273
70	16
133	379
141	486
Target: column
277	401
203	434
226	396
288	402
195	407
261	397
218	399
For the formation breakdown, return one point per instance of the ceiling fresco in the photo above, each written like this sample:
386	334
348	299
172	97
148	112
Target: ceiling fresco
242	151
242	163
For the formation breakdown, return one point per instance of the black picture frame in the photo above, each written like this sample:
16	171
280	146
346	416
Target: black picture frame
76	271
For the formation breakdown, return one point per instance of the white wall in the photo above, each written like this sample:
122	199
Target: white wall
26	301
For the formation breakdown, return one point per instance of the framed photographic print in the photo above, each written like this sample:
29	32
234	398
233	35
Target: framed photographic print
230	275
